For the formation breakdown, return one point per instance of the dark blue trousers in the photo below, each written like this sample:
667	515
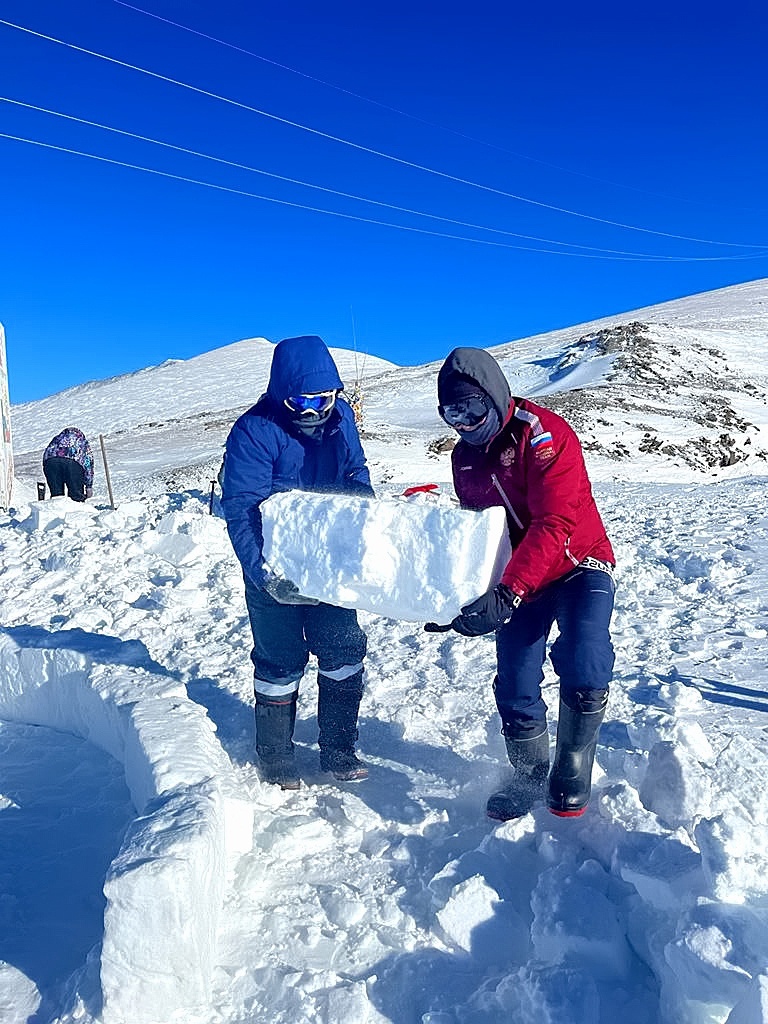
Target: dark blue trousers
581	604
284	635
61	472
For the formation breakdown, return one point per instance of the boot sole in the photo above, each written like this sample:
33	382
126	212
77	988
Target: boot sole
498	814
287	782
504	817
567	814
359	775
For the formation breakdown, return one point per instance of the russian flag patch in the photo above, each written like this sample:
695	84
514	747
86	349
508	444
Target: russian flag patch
542	440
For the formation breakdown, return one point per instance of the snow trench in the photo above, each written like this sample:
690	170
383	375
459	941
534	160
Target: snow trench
164	889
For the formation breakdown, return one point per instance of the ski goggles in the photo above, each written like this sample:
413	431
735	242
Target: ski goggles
311	405
466	412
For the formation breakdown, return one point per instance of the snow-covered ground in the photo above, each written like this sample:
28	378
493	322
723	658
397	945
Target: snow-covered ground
124	636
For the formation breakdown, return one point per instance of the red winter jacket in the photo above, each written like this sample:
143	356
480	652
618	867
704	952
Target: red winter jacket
535	467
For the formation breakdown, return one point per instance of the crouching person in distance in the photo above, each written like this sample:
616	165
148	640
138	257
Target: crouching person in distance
528	459
299	435
68	462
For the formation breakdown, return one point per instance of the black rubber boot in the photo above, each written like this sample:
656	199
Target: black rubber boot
529	756
570	781
338	703
274	741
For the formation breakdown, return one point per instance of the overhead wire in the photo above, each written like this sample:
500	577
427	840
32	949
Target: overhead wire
374	152
405	113
354	217
346	195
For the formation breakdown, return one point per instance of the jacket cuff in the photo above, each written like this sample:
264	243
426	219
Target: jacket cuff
514	585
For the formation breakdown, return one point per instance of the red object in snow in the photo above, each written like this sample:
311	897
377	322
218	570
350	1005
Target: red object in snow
418	488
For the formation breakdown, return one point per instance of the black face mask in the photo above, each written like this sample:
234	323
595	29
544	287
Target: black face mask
311	426
484	432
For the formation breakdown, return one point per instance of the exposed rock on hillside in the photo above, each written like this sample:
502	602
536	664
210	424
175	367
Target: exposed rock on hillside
677	402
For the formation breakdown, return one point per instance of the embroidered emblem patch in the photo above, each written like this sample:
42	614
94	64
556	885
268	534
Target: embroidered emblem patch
507	457
542	445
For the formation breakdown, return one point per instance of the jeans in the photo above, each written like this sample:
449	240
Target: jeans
581	603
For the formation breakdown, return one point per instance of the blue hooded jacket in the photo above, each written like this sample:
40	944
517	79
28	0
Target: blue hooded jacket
265	454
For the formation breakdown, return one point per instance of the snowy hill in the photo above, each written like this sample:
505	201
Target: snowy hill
175	413
669	392
147	876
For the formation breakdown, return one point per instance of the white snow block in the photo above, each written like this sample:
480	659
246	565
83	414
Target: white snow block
733	856
675	786
45	515
407	560
19	996
470	904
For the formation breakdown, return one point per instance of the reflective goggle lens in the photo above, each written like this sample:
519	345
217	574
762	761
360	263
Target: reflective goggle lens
314	404
467	412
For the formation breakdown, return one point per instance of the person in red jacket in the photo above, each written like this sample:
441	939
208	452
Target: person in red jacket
520	455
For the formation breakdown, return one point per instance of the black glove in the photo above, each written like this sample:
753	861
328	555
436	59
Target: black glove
285	592
488	613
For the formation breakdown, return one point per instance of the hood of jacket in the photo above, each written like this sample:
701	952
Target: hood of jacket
479	367
302	366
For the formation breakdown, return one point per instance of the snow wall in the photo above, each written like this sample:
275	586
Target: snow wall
6	451
414	559
164	890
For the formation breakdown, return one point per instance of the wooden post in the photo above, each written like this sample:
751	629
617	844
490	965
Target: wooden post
106	470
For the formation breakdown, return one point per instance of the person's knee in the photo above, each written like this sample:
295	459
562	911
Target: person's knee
586	662
337	647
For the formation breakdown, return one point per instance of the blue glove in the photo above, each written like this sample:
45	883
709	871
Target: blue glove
285	592
487	613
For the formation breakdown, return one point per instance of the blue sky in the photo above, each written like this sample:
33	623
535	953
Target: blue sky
652	118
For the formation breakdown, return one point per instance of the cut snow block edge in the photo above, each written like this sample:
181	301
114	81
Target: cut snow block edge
165	888
409	560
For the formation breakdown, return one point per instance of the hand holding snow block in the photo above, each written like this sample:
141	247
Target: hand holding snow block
394	557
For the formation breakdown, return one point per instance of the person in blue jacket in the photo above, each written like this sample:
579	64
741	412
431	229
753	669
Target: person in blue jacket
301	434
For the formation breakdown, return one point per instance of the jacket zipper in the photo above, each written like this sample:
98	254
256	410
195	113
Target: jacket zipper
506	501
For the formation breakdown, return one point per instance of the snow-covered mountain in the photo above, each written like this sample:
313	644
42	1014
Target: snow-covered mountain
175	414
147	875
666	392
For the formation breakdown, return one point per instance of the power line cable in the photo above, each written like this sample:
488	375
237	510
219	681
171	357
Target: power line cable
409	115
375	152
322	188
369	220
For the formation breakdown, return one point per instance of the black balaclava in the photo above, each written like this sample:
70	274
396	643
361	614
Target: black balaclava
473	371
310	425
453	388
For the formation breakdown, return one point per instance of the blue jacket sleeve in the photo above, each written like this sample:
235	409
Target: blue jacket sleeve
250	457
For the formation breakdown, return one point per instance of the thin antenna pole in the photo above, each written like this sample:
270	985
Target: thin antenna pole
354	344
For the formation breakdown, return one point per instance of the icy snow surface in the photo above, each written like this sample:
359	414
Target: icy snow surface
124	645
